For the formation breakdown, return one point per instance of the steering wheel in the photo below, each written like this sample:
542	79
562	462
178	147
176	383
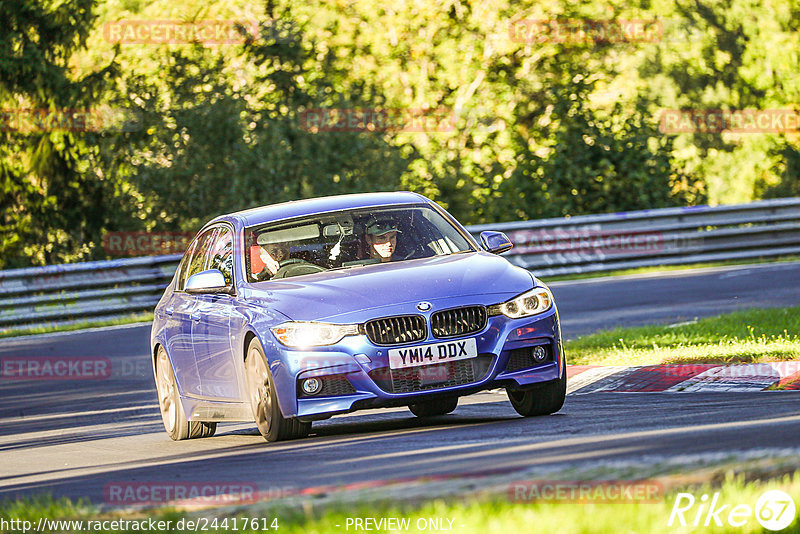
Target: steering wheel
420	250
296	267
406	256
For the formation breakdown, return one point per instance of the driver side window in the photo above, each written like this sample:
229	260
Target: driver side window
196	261
221	255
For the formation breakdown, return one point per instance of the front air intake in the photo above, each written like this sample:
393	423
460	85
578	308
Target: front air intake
397	330
458	322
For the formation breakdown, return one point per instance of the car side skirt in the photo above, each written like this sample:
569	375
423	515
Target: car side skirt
214	411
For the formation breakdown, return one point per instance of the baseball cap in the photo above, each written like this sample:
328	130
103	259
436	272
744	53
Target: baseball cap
382	227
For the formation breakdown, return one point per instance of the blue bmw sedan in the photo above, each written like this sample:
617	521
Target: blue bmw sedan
295	312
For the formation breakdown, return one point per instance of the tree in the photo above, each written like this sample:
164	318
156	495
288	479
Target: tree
53	199
214	141
597	163
729	55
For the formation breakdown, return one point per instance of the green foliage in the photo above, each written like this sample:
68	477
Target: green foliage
53	200
541	128
209	145
733	55
597	164
787	167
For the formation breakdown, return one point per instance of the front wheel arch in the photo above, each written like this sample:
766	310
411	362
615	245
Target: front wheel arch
287	403
263	399
154	355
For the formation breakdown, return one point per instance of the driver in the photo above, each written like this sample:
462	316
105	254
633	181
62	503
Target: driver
278	264
272	254
381	239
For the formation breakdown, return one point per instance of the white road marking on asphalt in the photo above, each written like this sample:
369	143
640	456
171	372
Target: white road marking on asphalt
553	445
735	274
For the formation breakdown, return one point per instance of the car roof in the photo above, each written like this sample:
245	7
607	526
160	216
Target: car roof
299	208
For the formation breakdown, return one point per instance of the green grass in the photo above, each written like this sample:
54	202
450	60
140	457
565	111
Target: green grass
749	336
135	318
663	268
493	514
501	516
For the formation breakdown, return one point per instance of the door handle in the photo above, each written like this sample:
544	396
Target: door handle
169	310
195	317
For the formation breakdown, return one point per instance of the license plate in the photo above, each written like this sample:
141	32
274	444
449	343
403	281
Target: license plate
447	351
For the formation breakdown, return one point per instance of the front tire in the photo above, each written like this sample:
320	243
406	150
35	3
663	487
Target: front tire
264	401
542	400
433	408
169	402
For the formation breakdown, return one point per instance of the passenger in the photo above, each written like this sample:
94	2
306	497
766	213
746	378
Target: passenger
381	237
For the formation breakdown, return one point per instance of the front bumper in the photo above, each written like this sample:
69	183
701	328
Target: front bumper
356	372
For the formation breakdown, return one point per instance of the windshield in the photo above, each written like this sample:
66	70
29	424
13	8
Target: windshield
348	239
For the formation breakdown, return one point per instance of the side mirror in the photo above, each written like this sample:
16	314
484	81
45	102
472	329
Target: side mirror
496	242
210	281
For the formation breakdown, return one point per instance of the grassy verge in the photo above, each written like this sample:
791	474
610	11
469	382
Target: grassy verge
79	325
497	513
662	268
742	337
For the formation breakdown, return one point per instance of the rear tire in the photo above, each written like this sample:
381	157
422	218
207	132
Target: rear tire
169	402
542	400
269	419
433	408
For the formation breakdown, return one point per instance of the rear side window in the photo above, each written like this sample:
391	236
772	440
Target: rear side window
195	259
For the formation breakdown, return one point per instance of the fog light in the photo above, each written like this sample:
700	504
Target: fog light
539	354
312	386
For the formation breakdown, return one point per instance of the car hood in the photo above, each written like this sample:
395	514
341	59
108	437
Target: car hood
355	294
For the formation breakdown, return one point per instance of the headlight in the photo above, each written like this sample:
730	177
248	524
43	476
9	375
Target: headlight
301	334
533	302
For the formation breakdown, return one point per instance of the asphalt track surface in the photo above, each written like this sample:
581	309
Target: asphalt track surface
78	438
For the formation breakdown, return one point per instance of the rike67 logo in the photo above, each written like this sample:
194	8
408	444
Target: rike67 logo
774	510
